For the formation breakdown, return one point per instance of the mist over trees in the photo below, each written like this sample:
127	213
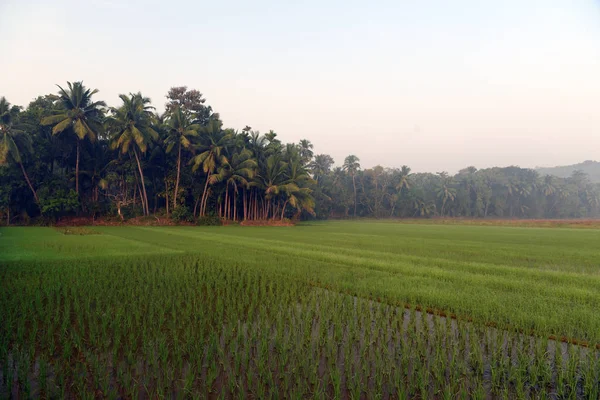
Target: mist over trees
69	154
589	167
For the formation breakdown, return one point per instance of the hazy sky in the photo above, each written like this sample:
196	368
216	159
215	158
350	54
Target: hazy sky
434	84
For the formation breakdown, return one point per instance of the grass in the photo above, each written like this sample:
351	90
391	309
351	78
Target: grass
543	279
76	230
250	306
531	223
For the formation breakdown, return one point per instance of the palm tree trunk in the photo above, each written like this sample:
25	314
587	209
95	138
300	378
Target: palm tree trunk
267	208
77	170
196	206
119	211
256	205
145	196
167	198
235	196
244	204
230	205
177	180
37	201
155	202
354	184
203	201
283	209
227	201
137	188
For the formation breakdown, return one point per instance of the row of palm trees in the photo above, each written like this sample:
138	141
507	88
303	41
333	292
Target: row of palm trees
243	175
130	158
494	192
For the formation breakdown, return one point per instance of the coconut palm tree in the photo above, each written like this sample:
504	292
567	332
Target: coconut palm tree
512	191
445	192
78	114
212	153
305	148
352	166
422	208
272	179
298	195
592	198
321	166
14	141
235	172
273	145
181	131
404	181
299	198
132	132
548	187
579	177
257	145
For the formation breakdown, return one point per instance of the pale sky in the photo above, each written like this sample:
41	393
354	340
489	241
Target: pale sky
434	84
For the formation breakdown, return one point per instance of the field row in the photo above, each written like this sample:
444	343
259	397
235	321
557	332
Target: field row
546	280
183	325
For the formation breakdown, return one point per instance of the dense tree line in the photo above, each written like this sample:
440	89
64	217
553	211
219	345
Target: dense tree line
70	154
510	192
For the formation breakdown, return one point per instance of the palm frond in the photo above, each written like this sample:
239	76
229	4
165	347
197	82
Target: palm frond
61	126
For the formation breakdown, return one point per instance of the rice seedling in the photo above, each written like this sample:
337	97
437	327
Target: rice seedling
202	322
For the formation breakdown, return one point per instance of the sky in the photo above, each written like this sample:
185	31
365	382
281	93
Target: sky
437	85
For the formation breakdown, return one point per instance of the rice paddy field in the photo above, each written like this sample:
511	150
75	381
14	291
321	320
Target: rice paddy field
343	309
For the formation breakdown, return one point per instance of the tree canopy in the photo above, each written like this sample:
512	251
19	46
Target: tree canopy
70	154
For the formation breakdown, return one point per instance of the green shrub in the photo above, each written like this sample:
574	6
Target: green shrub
182	213
58	202
132	211
41	221
209	220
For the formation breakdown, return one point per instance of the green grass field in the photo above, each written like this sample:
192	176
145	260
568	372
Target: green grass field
529	278
542	281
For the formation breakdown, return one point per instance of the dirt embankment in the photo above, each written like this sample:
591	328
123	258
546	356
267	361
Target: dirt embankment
157	221
269	222
139	221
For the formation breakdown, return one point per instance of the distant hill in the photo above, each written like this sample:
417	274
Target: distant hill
592	168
